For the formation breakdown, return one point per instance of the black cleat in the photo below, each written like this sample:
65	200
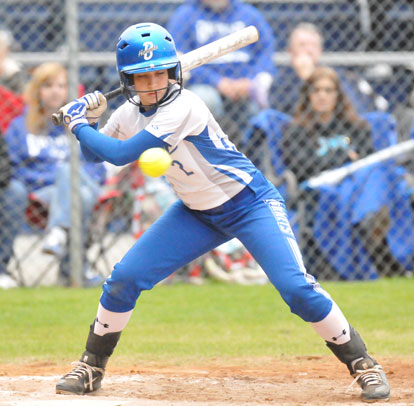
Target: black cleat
371	378
84	378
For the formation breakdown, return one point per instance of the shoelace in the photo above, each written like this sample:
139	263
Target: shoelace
368	377
82	368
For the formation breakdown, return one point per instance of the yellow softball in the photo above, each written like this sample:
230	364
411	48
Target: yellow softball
154	162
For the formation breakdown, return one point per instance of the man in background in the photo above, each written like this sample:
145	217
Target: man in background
236	85
305	49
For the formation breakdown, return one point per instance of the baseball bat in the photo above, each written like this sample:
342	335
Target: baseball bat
334	176
199	56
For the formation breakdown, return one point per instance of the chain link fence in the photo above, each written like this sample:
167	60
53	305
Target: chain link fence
338	88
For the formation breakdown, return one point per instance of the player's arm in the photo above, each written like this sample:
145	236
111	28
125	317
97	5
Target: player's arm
114	151
89	155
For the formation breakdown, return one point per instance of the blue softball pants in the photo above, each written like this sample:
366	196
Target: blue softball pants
256	216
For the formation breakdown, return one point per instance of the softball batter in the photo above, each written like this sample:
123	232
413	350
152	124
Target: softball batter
222	195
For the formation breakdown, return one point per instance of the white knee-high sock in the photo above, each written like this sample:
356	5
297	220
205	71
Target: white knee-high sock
334	328
110	322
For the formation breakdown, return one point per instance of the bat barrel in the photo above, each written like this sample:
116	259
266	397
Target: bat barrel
220	47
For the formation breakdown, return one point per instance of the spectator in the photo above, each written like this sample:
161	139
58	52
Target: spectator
11	81
326	133
11	73
325	126
11	105
305	48
39	153
6	281
236	86
404	108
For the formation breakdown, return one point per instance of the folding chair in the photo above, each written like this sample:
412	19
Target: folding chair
114	202
27	247
118	210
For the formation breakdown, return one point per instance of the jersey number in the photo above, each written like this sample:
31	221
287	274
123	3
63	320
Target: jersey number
180	165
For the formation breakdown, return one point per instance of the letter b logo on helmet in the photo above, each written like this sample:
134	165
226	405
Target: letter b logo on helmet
148	52
146	47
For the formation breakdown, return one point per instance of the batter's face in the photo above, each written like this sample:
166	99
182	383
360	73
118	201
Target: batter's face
54	92
151	86
323	96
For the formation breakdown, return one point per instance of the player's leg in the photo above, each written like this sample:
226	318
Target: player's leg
177	238
280	258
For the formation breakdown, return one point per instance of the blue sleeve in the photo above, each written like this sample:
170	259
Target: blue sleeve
88	154
114	151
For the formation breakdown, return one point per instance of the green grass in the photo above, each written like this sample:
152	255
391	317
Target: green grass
183	322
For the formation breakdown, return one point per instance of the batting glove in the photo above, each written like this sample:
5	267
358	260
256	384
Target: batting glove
74	114
95	104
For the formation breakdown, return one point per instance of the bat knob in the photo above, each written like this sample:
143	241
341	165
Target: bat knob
57	118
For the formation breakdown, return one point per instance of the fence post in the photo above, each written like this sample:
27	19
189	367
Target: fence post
76	246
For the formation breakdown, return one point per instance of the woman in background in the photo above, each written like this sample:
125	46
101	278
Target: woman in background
326	133
39	154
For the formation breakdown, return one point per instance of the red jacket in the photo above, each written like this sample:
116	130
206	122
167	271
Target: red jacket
11	105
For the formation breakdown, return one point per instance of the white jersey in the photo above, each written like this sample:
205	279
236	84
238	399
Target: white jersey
207	170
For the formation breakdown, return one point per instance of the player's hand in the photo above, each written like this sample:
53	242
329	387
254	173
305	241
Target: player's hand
95	104
74	113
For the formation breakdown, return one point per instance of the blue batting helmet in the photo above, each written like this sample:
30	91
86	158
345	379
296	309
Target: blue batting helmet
146	47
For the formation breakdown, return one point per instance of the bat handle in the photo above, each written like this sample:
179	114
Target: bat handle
57	118
113	93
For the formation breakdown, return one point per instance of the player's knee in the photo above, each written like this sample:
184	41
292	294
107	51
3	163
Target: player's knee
122	289
308	304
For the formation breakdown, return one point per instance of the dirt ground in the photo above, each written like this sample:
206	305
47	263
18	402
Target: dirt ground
300	381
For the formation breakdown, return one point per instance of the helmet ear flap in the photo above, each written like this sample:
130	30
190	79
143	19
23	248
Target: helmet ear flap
127	84
175	73
127	80
171	74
